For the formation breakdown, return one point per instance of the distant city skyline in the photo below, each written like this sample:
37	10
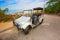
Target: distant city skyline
17	5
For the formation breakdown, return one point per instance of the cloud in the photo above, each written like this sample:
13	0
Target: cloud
22	4
26	1
27	4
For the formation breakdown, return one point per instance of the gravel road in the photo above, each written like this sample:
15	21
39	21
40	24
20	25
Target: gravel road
48	30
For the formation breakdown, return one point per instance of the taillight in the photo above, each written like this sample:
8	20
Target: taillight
42	13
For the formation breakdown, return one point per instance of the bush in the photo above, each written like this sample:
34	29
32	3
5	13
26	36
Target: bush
4	19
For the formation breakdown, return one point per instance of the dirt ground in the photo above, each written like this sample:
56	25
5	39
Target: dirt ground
48	30
5	25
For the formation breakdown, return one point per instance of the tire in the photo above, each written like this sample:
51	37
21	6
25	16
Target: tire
41	21
26	31
18	27
13	23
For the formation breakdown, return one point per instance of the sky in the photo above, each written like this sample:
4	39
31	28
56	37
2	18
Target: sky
18	5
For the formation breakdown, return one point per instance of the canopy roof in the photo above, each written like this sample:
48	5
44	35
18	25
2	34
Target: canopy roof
39	8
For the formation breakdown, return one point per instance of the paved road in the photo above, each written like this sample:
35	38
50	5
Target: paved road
48	30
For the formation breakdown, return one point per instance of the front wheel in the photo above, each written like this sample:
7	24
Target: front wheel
26	31
13	23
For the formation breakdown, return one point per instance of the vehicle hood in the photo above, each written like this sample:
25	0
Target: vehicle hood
22	20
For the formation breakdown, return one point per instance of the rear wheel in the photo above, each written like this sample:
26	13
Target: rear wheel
26	31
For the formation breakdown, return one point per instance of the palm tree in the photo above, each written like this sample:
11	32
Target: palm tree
2	12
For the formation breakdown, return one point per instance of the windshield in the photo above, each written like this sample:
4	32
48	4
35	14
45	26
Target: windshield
28	13
37	11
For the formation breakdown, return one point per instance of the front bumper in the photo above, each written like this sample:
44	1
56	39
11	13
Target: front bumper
19	27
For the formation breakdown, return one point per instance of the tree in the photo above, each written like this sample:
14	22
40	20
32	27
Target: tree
2	12
53	6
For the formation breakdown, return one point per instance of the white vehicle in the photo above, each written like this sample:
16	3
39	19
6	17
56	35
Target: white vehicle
27	22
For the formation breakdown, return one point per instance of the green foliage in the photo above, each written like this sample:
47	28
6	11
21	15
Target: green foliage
4	19
7	17
2	14
53	6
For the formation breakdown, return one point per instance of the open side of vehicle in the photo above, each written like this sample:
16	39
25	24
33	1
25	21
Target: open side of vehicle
29	20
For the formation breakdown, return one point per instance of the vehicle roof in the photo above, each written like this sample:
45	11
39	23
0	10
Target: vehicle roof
38	8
